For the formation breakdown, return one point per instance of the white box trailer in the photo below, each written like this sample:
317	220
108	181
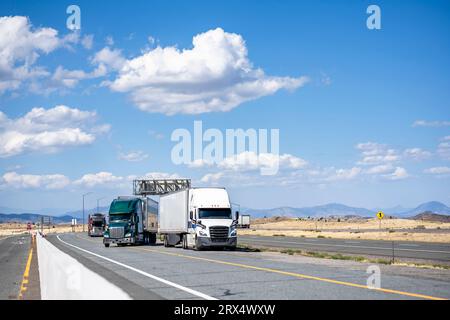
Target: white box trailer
198	218
244	221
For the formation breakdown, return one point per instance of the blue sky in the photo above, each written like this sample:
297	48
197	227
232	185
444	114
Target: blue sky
370	126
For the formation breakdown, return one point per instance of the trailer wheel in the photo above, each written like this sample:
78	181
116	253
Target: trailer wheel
185	244
166	242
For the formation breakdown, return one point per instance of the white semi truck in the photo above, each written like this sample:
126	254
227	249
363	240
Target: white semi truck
197	218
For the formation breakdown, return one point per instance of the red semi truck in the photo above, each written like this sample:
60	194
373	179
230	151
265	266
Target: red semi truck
96	224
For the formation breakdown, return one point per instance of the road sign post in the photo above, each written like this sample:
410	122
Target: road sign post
380	216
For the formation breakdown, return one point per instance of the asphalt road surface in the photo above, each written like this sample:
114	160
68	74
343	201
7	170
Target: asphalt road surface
438	252
156	272
13	259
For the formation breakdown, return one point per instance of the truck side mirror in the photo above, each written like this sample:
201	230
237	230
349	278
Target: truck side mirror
237	215
191	215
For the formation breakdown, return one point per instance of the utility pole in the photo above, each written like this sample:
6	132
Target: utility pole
83	206
98	200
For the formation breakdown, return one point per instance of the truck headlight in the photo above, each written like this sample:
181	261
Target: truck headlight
106	235
232	232
202	233
128	235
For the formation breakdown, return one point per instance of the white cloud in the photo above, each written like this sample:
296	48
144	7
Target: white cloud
108	59
443	149
87	41
247	160
20	47
438	170
215	75
99	179
375	153
212	178
383	168
133	156
30	181
424	123
344	174
45	130
399	174
161	175
417	154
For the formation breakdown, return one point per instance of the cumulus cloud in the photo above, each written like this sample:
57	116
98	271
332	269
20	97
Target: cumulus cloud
87	41
443	149
417	154
31	181
212	178
375	153
133	156
215	75
100	178
384	168
248	160
20	47
46	130
398	174
345	174
108	59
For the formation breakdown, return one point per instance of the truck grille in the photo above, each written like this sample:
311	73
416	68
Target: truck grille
218	232
116	232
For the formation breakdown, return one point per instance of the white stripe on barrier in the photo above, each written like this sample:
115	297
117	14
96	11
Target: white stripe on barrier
170	283
64	278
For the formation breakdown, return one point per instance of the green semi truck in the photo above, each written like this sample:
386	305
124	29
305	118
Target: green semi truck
132	220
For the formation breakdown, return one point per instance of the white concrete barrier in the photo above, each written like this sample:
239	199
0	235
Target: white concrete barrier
62	277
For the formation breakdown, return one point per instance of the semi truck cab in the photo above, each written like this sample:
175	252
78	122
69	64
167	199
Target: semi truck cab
212	227
198	218
132	220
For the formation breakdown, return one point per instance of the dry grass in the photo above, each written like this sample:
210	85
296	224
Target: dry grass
392	229
7	229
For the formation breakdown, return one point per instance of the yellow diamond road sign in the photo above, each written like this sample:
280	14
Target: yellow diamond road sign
380	215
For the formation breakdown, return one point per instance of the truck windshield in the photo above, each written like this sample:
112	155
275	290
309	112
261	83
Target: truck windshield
222	213
119	217
97	223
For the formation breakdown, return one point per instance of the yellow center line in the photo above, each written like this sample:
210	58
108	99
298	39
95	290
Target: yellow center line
297	275
26	273
287	273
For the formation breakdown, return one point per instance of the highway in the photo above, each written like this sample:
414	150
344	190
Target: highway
433	252
14	257
156	272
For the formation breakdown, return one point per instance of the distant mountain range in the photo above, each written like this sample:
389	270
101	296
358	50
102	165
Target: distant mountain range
327	210
31	217
336	209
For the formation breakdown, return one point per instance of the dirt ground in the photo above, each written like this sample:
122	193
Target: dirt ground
391	229
7	229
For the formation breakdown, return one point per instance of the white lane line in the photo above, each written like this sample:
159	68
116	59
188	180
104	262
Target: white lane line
348	246
408	245
352	242
148	275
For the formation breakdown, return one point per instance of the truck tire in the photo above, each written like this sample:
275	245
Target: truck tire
166	242
106	245
197	246
185	244
151	238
